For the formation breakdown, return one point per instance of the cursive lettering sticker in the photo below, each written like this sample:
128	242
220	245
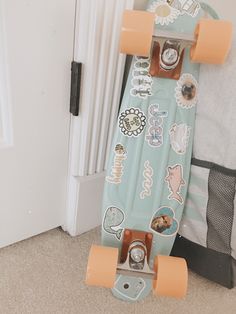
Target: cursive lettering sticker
154	135
132	122
117	168
148	182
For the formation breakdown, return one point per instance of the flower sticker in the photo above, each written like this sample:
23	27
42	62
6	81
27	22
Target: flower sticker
132	122
164	13
186	91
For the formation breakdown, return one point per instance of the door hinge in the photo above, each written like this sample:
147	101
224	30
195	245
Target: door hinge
76	69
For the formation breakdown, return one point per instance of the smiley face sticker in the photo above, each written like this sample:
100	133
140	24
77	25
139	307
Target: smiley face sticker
132	122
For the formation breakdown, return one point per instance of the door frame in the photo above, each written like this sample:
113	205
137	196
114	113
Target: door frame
87	161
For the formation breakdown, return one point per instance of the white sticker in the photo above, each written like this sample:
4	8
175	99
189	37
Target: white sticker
148	182
113	218
190	7
142	80
167	11
179	137
132	122
154	135
164	13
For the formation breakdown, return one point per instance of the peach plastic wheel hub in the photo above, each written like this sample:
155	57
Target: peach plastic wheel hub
214	39
136	33
171	276
101	268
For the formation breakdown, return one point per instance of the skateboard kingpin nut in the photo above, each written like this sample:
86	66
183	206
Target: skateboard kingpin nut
137	252
170	55
167	53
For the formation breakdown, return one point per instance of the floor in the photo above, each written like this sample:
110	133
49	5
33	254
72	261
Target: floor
45	274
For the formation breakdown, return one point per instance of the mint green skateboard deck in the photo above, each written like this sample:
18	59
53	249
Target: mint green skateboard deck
148	170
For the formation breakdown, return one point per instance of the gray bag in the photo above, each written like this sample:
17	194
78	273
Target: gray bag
207	234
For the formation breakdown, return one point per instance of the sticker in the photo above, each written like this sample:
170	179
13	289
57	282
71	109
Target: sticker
148	182
164	13
117	169
190	7
154	135
130	288
186	91
113	218
164	222
179	137
142	80
175	181
132	122
167	11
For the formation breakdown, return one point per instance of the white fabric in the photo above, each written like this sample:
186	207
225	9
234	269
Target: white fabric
193	223
215	129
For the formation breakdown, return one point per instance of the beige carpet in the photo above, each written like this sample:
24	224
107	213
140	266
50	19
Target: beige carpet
45	274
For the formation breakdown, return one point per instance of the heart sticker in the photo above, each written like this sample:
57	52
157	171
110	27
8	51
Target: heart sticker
164	222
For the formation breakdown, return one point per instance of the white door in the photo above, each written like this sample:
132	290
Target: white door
36	49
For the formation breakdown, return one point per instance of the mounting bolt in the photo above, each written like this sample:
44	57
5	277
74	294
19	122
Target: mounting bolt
137	254
170	56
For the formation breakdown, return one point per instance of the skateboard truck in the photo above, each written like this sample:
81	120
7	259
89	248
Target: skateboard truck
168	52
135	254
169	274
209	43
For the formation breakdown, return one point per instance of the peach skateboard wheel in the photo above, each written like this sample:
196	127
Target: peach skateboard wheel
101	268
213	41
171	276
136	33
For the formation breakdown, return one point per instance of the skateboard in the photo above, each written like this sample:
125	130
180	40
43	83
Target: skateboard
149	165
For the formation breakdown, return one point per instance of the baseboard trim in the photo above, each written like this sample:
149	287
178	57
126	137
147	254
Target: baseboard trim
84	203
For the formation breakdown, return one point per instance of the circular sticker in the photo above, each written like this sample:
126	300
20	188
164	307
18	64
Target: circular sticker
186	91
164	12
132	122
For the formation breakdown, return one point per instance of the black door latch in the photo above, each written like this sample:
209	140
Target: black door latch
76	69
